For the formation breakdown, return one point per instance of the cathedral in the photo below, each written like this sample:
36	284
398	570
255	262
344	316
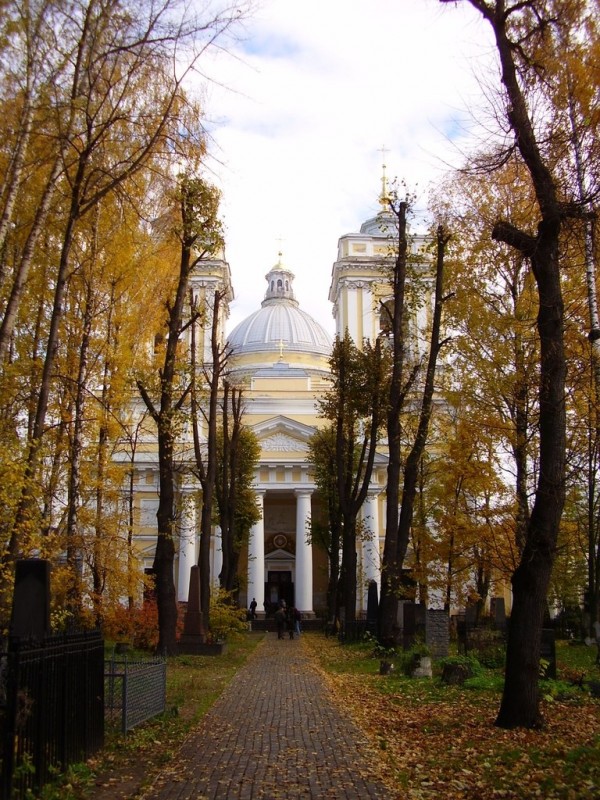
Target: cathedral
280	354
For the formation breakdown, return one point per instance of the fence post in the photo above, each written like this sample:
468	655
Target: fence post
125	699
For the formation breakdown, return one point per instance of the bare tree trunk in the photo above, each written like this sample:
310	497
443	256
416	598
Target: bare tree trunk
411	468
206	462
520	699
357	418
390	574
165	418
521	447
226	487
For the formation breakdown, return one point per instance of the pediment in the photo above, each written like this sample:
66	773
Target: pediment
281	434
279	555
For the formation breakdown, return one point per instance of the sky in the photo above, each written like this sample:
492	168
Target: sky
305	107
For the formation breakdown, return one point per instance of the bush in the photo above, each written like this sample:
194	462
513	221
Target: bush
137	625
226	617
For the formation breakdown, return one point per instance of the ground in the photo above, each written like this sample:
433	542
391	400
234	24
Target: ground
431	740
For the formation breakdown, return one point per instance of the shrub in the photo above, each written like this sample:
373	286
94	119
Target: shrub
226	617
137	625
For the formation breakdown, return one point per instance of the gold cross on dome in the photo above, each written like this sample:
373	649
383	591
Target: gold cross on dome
384	197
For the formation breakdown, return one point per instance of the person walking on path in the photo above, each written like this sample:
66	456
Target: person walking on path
291	623
275	732
280	621
297	620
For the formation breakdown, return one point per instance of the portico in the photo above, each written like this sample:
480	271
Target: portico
280	559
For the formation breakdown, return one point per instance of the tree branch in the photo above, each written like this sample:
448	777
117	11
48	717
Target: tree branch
509	234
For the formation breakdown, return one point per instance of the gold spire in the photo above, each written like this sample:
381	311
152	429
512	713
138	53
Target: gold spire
384	197
280	251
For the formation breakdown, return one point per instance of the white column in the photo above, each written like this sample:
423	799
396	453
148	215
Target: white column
371	554
187	546
217	556
304	565
256	557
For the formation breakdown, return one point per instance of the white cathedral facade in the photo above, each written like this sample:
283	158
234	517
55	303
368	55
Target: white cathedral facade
280	354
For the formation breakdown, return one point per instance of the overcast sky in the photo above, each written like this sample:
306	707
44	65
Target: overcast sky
309	97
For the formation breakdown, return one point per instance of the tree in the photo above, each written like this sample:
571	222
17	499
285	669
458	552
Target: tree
405	370
199	235
327	533
493	315
399	385
355	408
205	455
238	452
471	508
518	30
98	110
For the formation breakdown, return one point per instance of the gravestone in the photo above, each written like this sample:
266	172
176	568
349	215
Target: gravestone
437	634
414	624
30	615
461	633
471	615
194	636
498	611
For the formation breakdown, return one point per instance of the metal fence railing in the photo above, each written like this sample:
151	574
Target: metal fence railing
53	707
135	690
355	631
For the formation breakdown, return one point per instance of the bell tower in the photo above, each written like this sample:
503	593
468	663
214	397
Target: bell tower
211	275
360	278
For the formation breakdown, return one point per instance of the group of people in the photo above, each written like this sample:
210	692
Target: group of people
287	618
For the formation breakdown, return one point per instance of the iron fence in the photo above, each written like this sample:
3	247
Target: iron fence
135	690
355	631
53	713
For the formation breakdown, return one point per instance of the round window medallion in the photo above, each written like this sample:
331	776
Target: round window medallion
279	540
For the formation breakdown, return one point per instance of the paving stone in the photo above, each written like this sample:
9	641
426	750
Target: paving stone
274	733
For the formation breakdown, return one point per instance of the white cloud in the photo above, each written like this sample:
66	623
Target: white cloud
302	106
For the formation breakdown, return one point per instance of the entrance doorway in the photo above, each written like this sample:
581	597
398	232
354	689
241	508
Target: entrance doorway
279	587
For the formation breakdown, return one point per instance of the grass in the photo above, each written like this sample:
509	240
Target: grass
129	762
437	741
431	740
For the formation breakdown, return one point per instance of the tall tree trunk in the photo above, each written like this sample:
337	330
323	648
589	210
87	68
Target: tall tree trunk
530	581
207	464
165	418
74	537
520	699
222	493
348	569
411	468
390	574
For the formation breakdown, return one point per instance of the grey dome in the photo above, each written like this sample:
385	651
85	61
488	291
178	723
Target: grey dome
280	325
